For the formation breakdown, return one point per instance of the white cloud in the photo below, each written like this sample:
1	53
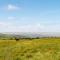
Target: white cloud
12	7
12	27
2	24
11	18
32	28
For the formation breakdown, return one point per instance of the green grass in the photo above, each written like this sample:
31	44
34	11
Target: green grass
37	49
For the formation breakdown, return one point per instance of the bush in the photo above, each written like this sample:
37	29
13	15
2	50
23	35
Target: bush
17	39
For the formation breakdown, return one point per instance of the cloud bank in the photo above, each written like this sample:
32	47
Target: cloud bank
11	27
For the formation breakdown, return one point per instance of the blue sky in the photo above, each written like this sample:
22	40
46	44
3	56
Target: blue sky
30	16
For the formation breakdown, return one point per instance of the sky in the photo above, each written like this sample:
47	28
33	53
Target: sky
29	15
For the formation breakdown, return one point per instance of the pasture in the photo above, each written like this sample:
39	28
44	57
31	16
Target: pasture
35	49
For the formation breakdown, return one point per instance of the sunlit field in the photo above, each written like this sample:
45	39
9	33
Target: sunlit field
35	49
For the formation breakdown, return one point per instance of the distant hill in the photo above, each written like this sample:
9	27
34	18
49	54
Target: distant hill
28	35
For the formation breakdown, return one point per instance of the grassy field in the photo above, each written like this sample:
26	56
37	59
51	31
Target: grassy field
37	49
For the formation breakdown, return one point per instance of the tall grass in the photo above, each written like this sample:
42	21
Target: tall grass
37	49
